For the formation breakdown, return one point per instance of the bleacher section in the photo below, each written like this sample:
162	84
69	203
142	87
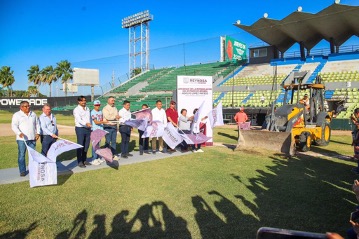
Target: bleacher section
349	97
261	74
246	85
249	99
152	85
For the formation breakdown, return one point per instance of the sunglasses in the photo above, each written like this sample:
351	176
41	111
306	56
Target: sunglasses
52	123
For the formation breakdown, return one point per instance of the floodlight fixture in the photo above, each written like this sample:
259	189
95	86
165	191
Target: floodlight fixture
337	1
238	22
300	9
137	19
265	15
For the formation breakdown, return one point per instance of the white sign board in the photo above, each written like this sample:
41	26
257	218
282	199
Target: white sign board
191	92
86	76
71	88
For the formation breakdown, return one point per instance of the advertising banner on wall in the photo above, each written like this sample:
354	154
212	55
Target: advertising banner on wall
235	50
14	103
192	91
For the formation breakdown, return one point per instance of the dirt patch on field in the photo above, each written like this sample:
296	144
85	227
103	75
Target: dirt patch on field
5	130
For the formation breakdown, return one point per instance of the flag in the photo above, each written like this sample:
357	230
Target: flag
155	129
143	125
216	116
134	123
143	114
171	136
42	170
60	147
197	119
186	139
106	154
96	137
198	138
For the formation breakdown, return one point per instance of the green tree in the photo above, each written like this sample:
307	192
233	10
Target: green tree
32	91
34	75
135	72
64	72
48	76
7	78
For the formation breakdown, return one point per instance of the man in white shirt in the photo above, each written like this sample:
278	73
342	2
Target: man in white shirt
48	129
83	130
25	125
158	114
125	130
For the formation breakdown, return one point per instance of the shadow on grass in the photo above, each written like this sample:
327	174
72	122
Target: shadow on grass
230	146
329	153
338	142
228	135
156	220
22	233
292	193
296	193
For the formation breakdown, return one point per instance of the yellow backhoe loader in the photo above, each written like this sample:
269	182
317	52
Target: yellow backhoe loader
293	125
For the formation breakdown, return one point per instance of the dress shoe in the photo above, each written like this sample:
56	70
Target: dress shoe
87	163
141	153
81	165
129	155
124	156
22	174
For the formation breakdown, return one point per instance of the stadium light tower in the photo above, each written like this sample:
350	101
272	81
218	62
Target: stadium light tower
138	39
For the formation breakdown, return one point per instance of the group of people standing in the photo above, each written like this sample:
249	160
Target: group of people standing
113	120
28	128
108	119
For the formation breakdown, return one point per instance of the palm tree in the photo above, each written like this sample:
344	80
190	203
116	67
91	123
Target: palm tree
32	91
64	72
34	75
7	78
48	76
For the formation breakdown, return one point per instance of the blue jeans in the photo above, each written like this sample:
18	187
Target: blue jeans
111	138
94	154
21	147
46	141
83	138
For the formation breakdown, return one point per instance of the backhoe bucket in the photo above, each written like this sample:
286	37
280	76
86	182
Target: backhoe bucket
275	141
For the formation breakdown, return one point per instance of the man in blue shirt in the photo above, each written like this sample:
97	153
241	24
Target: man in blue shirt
48	129
97	121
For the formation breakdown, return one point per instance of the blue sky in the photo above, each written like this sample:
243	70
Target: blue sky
88	33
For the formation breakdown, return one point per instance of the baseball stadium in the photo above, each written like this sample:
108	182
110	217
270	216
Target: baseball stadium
287	172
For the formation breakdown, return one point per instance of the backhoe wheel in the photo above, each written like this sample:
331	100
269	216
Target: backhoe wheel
305	141
325	137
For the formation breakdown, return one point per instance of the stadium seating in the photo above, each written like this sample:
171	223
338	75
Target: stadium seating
248	82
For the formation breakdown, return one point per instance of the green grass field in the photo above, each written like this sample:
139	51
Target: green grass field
220	193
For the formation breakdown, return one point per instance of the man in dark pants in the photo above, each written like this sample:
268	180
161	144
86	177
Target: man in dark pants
83	130
48	129
125	130
110	113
